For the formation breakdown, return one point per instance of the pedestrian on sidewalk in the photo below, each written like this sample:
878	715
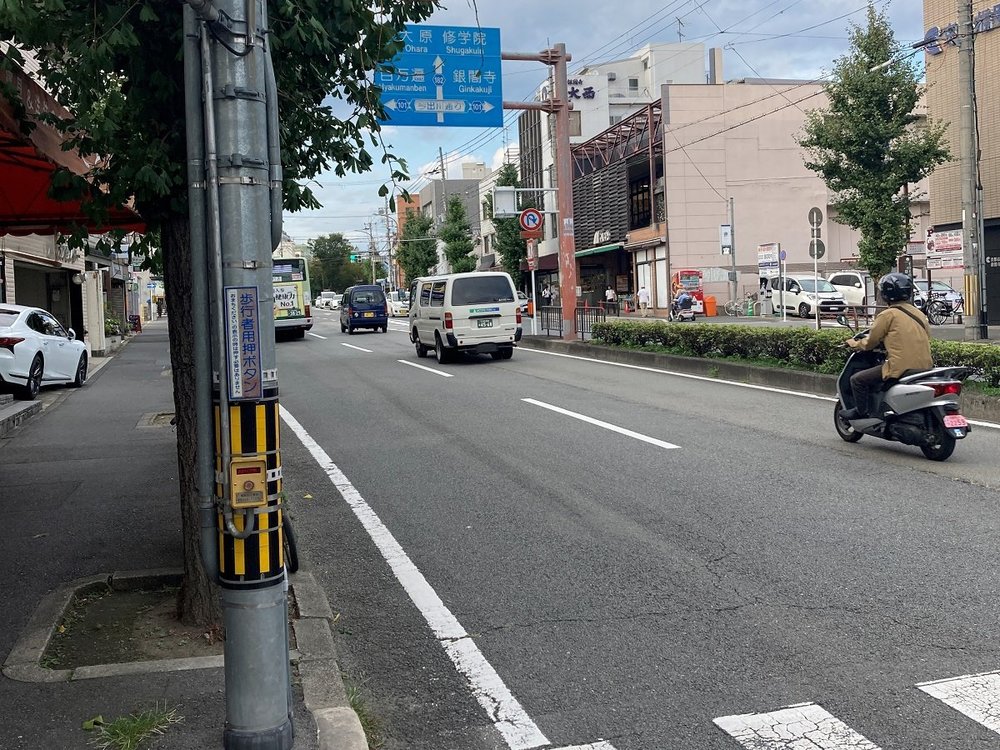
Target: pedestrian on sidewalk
547	295
611	300
643	298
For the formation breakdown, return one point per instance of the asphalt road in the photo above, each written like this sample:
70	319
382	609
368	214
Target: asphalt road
619	558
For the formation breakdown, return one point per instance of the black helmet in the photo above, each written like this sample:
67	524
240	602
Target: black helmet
896	287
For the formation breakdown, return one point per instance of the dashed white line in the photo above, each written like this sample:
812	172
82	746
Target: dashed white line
605	425
427	369
359	348
806	726
752	386
509	718
316	335
592	746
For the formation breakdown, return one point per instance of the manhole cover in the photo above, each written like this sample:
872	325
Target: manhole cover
156	419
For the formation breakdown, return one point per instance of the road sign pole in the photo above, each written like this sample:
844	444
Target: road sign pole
816	278
565	230
534	305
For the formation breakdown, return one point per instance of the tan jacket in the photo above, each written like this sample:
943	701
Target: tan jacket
907	342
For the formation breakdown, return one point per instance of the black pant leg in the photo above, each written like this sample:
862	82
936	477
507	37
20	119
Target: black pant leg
862	383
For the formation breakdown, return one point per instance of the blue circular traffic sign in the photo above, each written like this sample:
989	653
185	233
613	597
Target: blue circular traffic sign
782	255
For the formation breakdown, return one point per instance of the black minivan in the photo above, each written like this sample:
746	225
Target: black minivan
364	306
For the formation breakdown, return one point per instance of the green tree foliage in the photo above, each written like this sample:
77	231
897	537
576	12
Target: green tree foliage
868	145
331	267
417	255
510	247
457	236
117	66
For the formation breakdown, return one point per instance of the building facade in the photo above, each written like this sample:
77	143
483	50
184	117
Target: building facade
434	197
944	102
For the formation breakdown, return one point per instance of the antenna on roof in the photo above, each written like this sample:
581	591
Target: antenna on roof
680	25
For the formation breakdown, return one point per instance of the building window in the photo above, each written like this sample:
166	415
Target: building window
575	124
633	85
615	119
639	205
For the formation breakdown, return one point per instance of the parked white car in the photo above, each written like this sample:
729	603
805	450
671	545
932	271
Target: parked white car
803	293
35	350
858	287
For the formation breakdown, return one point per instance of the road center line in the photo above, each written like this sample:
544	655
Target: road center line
316	335
752	386
352	346
428	369
605	425
509	718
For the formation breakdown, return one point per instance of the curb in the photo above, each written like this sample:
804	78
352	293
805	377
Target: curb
337	725
974	406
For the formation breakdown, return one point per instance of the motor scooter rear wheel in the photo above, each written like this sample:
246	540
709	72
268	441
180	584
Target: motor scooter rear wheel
942	446
843	427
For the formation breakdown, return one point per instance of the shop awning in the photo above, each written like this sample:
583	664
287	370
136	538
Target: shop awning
27	164
599	250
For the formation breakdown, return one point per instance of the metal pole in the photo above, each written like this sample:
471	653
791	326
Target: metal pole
200	312
565	229
251	574
815	253
732	250
534	305
968	148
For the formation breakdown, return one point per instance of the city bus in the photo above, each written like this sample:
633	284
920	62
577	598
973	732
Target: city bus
292	312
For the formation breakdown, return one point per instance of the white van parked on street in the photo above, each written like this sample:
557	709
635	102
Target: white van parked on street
477	313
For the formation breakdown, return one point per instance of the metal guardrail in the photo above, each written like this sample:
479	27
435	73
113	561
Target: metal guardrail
585	319
550	321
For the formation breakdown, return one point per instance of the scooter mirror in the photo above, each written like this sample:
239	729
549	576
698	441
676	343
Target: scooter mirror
842	319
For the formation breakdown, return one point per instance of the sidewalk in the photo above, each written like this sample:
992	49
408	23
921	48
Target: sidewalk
89	489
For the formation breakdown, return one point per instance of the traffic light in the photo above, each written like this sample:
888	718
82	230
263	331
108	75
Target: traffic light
354	258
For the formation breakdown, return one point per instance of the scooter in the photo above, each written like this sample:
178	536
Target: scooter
680	314
920	408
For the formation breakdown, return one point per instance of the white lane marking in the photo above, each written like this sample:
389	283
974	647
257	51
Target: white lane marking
601	745
752	386
428	369
977	696
599	423
806	726
360	349
509	718
316	335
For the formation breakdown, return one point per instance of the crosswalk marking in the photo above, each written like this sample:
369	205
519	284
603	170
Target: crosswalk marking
977	696
806	726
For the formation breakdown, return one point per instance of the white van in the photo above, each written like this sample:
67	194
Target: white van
476	313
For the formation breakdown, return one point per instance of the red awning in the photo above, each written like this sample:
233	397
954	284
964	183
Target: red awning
27	165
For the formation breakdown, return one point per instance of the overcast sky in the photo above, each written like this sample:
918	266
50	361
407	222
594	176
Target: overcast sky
767	38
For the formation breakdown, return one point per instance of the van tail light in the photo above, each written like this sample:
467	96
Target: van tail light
449	322
519	316
9	342
385	310
947	388
308	309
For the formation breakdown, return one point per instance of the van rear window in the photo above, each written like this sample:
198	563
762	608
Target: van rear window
478	290
368	297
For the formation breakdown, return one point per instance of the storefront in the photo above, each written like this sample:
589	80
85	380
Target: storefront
599	268
43	273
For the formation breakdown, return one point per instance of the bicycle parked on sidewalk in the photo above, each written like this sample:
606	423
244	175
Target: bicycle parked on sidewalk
740	307
941	310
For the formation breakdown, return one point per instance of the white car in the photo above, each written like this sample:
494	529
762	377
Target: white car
35	350
802	293
328	301
399	303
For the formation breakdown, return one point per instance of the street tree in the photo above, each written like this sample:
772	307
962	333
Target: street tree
117	66
331	266
869	145
456	233
417	253
510	246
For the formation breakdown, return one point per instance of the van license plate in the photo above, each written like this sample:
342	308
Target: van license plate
370	315
484	323
955	420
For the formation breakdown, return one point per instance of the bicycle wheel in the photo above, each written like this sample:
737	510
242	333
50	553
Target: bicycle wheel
288	541
938	312
732	308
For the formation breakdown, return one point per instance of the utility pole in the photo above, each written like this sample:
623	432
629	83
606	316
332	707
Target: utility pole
388	246
972	235
732	250
444	184
234	183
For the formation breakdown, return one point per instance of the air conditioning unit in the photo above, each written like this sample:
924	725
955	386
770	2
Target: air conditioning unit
612	76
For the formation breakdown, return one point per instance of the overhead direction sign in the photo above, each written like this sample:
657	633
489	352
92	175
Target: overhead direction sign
445	76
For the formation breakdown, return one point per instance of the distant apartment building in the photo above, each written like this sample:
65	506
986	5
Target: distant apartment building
435	196
602	95
485	249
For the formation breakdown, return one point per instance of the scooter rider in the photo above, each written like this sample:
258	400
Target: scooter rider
904	332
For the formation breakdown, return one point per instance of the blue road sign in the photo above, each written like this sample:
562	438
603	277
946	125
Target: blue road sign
445	76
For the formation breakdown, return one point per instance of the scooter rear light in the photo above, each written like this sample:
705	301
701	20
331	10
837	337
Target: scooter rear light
947	388
449	322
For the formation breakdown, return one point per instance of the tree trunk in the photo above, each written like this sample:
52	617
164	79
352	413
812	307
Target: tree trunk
198	600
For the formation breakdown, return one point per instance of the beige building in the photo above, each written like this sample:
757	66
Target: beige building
944	102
